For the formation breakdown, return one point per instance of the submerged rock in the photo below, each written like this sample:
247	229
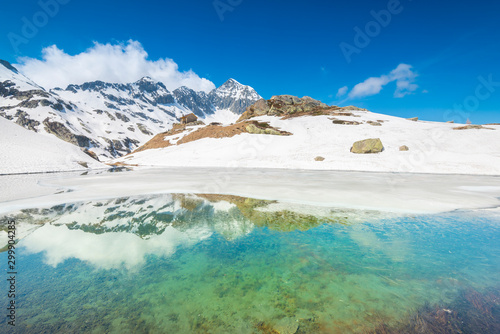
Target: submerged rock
286	326
373	145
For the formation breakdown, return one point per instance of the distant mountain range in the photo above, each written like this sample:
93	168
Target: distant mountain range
108	120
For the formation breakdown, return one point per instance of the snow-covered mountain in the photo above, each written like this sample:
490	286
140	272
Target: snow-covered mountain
233	96
109	120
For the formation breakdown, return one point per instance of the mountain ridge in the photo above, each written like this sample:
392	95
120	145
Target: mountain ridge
111	119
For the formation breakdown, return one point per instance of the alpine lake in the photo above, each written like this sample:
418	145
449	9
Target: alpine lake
205	263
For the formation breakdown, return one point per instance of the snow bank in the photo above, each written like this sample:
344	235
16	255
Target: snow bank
433	147
24	151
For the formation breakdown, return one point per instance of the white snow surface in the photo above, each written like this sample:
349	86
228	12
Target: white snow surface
24	151
223	116
434	147
385	192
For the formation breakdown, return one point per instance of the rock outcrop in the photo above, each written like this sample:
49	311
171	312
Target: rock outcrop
286	106
62	132
472	127
344	122
373	145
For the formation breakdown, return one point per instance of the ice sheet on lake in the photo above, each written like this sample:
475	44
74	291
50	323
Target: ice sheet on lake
390	192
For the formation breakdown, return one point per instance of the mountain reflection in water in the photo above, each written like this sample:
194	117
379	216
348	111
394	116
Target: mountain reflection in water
185	263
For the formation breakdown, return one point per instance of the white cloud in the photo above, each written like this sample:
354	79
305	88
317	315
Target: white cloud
402	75
342	91
113	250
117	63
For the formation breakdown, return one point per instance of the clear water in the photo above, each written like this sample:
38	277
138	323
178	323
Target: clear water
224	264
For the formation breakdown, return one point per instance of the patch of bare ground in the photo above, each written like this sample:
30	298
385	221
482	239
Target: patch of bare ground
217	131
211	131
330	111
214	131
157	141
317	112
471	127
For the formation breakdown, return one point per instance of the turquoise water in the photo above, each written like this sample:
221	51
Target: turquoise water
224	264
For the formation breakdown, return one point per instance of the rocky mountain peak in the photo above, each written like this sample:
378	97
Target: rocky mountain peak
147	84
234	96
232	83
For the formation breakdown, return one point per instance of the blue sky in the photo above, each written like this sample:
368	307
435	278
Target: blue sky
439	60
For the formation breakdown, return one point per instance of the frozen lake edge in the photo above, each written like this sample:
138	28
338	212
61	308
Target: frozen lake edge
389	192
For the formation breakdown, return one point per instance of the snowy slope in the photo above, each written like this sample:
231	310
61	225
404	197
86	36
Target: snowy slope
433	147
110	119
24	151
120	117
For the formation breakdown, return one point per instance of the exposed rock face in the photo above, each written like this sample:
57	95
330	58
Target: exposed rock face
285	105
62	132
91	154
319	159
26	122
252	128
404	148
288	106
144	129
472	127
374	123
414	119
198	102
83	164
7	88
354	108
344	122
8	65
373	145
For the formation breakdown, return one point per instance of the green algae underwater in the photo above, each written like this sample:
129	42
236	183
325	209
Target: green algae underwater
184	263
